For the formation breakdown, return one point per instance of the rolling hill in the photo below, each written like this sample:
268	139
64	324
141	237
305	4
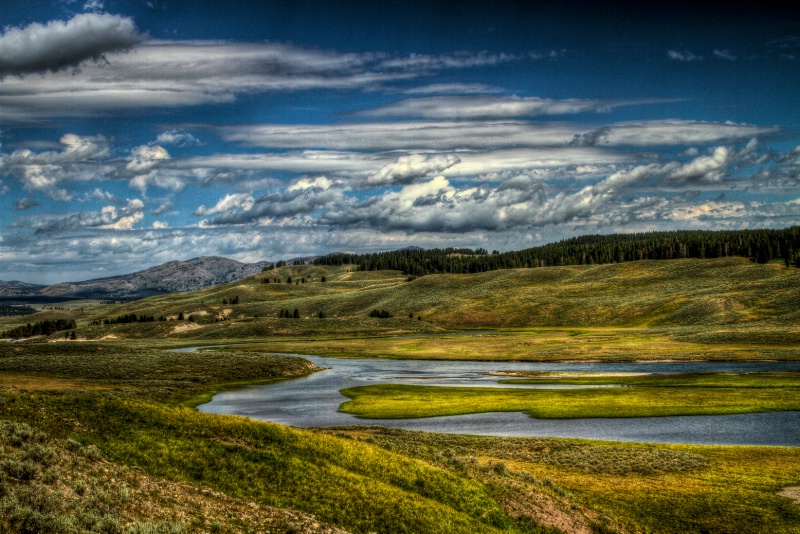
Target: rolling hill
729	292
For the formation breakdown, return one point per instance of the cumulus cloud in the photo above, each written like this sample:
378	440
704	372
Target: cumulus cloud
26	203
683	56
227	204
99	194
145	157
165	207
59	45
160	225
708	168
177	138
45	171
288	205
724	54
319	182
109	217
143	165
592	137
409	168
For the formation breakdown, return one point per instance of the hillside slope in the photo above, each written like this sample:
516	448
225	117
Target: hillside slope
675	293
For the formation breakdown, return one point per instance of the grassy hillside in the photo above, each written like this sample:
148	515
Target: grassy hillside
648	294
119	407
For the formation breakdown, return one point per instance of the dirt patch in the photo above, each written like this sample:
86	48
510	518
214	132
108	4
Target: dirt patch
110	336
185	328
793	492
548	510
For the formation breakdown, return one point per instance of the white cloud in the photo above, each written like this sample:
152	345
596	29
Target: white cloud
319	182
59	45
680	132
26	203
144	158
93	5
711	209
189	73
45	171
453	135
475	107
233	202
98	194
408	168
683	56
143	165
704	168
453	89
122	219
160	225
724	54
176	137
164	207
457	60
109	217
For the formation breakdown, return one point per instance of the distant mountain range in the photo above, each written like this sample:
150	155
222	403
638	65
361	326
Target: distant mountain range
170	277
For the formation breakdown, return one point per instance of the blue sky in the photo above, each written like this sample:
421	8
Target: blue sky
138	132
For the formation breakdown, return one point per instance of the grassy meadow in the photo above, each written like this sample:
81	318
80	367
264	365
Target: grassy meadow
98	434
648	396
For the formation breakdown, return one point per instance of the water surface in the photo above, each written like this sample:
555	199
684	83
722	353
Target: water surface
313	401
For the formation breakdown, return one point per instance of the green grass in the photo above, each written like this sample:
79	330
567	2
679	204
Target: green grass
703	395
636	487
124	401
686	380
720	295
349	484
122	404
531	344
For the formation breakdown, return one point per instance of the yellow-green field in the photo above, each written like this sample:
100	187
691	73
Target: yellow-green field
728	301
633	397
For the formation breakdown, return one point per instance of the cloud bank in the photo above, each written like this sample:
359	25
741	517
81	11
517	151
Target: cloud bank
59	45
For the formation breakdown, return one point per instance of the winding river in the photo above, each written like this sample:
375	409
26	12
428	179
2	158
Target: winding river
312	401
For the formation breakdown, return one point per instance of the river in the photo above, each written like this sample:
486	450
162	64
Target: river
313	401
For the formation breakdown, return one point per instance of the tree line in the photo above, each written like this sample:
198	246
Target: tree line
41	328
761	246
7	310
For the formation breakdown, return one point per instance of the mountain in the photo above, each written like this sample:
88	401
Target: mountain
16	288
171	277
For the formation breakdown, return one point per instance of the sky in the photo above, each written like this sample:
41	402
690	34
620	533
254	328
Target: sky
133	133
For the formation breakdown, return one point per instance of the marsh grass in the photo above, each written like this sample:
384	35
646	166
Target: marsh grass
389	401
683	380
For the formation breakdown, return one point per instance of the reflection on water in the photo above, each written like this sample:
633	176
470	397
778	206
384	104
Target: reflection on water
313	401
